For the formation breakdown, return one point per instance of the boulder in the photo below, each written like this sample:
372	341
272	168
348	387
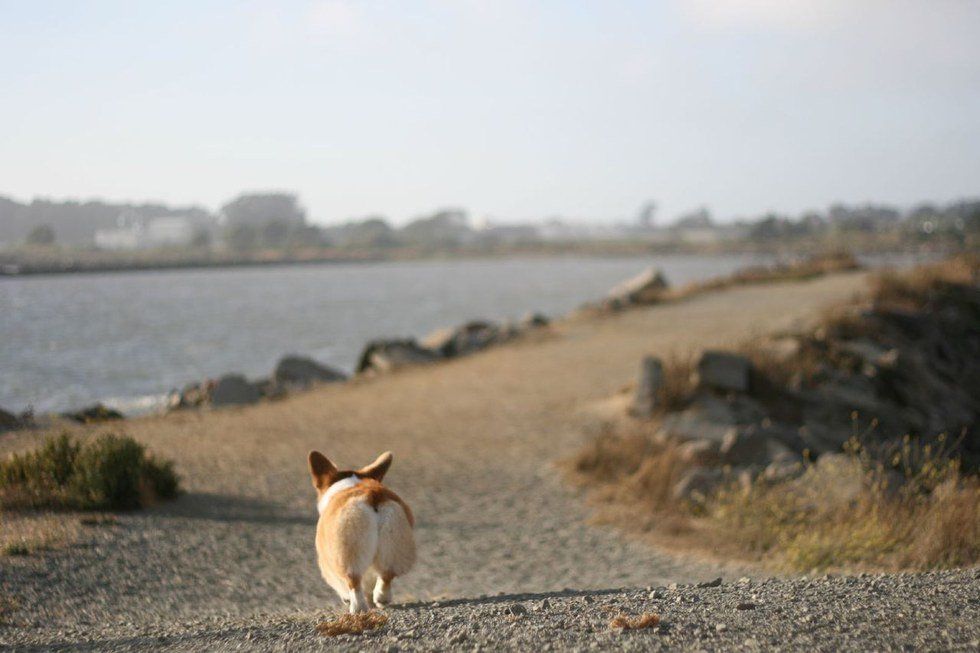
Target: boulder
869	352
234	390
698	484
720	370
701	453
93	413
301	372
751	446
649	385
465	339
533	321
388	355
193	395
8	421
645	288
836	479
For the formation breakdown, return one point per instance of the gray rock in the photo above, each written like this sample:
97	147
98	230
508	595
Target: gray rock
698	484
534	321
465	339
646	287
649	385
870	352
724	371
753	447
691	424
701	453
835	479
389	355
92	414
298	371
234	390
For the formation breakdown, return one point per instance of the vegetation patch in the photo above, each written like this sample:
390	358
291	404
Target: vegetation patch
764	456
110	472
352	624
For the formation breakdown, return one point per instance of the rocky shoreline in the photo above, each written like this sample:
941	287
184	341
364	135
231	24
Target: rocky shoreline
295	373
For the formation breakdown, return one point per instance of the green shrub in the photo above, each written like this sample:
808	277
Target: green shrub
110	472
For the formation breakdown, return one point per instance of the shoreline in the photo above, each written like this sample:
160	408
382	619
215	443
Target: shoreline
83	262
172	400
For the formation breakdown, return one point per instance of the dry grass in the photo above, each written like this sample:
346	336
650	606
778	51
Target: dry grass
352	624
679	380
24	534
912	289
810	268
932	521
645	620
881	528
630	477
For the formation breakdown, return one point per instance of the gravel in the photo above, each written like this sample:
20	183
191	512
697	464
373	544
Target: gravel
929	611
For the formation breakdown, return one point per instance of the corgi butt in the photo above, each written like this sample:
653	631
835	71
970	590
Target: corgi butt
365	531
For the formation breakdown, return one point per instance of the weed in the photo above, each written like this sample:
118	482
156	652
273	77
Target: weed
352	624
645	620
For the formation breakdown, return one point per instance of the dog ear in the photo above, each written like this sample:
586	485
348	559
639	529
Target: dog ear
378	468
321	469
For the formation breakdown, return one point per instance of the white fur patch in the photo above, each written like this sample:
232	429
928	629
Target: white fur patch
339	486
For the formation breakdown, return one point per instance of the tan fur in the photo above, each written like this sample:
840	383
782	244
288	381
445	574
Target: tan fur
364	531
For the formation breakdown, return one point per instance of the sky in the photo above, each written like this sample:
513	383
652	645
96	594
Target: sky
515	110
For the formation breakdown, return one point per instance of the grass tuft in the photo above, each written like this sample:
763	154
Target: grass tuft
111	472
645	620
352	624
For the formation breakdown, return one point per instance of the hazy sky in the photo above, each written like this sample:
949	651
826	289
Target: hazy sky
514	110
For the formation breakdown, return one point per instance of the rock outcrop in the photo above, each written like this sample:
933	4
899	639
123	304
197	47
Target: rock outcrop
876	372
298	372
390	355
93	413
647	397
645	288
234	390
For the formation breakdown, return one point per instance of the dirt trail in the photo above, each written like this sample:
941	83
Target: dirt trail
474	442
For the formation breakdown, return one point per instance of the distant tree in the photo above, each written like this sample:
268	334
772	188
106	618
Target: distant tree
241	237
41	235
201	238
370	232
446	228
259	209
275	233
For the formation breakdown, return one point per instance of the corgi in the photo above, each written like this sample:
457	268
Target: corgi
365	531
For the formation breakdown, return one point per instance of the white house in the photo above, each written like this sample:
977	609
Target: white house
136	232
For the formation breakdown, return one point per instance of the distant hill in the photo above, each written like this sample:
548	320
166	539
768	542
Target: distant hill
75	223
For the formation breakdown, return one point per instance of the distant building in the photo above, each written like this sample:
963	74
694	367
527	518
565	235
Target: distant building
133	231
173	230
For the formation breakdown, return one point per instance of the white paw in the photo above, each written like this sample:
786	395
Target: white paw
358	603
382	593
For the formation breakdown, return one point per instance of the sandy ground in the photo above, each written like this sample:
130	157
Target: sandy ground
475	441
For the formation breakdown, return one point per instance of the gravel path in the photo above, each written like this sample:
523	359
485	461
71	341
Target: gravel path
925	612
475	442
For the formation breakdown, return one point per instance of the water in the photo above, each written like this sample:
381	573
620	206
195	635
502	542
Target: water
127	338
